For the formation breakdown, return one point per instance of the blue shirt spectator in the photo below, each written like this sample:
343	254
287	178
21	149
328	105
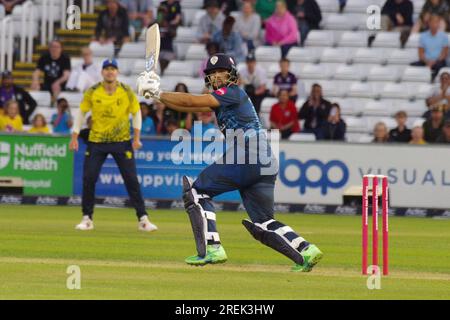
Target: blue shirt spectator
433	44
230	42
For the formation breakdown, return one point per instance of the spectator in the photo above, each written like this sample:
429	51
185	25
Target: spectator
433	126
334	128
85	75
39	125
9	91
285	80
315	112
148	125
62	120
308	15
112	25
430	8
433	48
380	133
401	133
55	65
207	122
417	136
342	4
140	12
440	94
8	5
282	29
171	126
11	121
248	24
226	6
84	133
211	48
184	119
230	42
283	115
444	137
160	117
397	15
253	79
211	22
168	32
265	8
173	12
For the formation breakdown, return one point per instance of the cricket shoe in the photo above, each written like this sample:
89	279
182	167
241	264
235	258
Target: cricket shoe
213	255
145	225
311	256
85	224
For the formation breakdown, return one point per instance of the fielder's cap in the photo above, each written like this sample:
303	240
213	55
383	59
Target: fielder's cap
110	63
250	57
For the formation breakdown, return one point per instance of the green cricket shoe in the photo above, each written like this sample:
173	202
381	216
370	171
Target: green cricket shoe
213	255
311	256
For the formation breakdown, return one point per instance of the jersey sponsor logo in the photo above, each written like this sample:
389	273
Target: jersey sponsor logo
302	180
221	91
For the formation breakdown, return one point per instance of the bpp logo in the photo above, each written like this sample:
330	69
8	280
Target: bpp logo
303	182
5	154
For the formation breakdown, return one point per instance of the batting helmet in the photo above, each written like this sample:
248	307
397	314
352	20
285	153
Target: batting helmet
221	61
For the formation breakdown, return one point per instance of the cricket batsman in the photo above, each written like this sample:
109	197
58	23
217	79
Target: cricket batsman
110	103
234	111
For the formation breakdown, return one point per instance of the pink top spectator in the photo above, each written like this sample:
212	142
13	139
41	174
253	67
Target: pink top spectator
282	29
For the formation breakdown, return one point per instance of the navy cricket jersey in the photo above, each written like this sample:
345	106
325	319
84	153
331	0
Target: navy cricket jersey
236	111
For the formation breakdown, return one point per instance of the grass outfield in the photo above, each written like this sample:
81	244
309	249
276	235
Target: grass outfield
37	244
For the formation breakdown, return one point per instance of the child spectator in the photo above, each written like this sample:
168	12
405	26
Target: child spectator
285	80
62	120
335	128
282	29
417	136
171	126
11	121
401	133
230	42
283	115
39	125
380	133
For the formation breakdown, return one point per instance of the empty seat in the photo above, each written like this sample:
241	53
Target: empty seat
129	81
195	85
192	4
196	18
350	72
73	98
344	21
321	38
389	39
186	34
413	41
414	108
133	50
341	55
189	16
396	91
403	56
369	55
388	121
196	52
267	103
99	50
302	137
360	6
309	54
346	105
378	108
42	98
362	90
356	124
328	5
353	39
419	90
268	53
316	71
384	73
416	74
180	68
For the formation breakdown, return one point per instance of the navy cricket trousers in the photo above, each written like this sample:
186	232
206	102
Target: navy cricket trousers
95	157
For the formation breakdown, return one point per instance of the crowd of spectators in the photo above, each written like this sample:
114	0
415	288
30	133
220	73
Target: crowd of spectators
237	28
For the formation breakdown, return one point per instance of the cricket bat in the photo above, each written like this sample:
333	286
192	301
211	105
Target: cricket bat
152	45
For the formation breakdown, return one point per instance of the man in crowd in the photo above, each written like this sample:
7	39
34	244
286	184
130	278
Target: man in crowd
9	91
444	137
112	25
55	66
253	79
315	112
433	126
285	80
398	15
211	22
85	75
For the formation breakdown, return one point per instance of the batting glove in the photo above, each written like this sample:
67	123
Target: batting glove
148	85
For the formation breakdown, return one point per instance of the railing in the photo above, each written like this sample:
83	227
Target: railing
6	44
28	24
48	21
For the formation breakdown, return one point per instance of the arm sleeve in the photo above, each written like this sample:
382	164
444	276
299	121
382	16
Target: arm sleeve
79	120
86	104
137	121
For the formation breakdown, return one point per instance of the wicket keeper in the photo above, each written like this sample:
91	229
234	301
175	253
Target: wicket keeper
234	111
110	103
